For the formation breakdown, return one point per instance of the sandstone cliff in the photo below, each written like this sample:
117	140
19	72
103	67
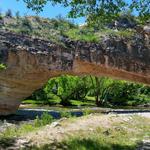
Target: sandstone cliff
31	62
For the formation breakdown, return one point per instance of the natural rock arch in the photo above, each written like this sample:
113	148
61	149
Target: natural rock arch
31	62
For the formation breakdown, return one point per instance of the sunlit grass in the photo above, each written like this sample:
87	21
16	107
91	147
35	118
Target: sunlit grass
124	135
25	128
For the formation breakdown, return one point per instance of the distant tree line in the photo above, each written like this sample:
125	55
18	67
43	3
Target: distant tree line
107	92
9	14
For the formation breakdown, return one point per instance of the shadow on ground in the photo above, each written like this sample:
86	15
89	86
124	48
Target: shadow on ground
84	144
31	114
5	143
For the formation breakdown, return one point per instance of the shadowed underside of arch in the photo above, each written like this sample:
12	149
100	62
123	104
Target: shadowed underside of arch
31	62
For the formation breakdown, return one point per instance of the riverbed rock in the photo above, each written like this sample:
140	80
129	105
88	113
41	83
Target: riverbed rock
55	124
5	125
144	145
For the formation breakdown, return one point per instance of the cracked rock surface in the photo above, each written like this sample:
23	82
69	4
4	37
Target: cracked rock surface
31	62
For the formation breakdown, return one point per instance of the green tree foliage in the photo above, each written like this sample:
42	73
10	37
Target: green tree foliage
124	93
107	92
93	10
68	87
17	15
100	87
40	95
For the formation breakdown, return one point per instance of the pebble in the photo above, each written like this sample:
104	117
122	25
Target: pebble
55	124
4	125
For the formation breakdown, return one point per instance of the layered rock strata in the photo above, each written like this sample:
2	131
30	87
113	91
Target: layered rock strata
31	62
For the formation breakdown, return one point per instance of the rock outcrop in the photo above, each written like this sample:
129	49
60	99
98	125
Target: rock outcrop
31	62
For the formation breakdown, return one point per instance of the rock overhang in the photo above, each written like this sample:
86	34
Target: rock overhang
32	61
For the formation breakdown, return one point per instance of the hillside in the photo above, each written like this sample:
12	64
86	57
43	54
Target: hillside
55	29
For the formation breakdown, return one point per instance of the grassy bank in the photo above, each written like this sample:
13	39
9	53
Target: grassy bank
122	134
90	132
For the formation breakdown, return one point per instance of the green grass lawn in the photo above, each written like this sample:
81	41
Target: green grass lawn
88	101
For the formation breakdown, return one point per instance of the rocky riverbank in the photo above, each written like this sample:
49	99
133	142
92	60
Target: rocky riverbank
132	128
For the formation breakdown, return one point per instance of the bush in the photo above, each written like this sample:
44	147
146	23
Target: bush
2	66
43	120
26	27
66	114
82	34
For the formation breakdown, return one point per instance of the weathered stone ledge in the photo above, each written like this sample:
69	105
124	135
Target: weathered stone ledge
31	62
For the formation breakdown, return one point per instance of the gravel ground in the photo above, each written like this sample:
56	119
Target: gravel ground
27	115
143	114
59	129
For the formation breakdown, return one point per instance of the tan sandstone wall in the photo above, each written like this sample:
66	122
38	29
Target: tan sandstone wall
31	62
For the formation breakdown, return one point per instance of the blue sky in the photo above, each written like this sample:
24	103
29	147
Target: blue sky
49	11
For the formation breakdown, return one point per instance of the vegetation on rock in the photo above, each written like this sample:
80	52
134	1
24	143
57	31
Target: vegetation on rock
2	66
58	28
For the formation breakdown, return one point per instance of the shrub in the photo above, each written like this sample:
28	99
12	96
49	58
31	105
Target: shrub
82	34
43	120
26	26
66	114
2	66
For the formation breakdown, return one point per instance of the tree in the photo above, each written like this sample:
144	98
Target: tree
68	88
101	87
107	92
17	15
8	13
1	16
94	10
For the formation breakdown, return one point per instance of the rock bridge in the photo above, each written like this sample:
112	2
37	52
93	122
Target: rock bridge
31	62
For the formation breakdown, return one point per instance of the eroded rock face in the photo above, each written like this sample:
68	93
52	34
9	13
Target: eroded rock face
31	62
